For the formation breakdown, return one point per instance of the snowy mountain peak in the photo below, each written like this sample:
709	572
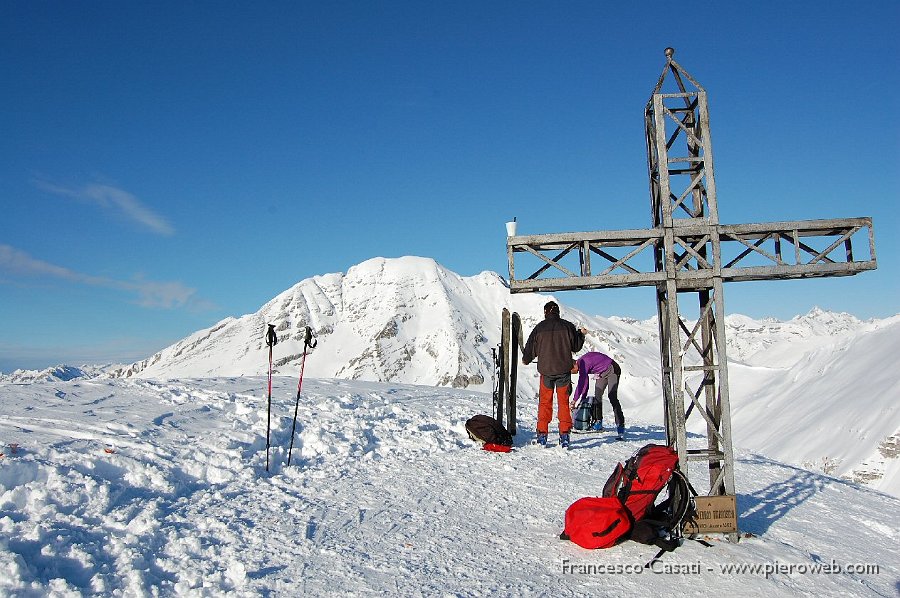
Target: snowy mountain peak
834	322
404	319
52	374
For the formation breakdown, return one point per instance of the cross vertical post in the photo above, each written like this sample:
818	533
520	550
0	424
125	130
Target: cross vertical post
683	199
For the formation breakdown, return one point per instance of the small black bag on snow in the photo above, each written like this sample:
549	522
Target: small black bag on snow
488	430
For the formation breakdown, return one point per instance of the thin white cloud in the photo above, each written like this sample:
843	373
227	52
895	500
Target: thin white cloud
167	295
115	199
150	293
18	262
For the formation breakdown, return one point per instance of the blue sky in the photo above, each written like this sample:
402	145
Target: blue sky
168	164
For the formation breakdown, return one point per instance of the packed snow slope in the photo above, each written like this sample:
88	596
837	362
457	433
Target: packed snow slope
131	487
819	391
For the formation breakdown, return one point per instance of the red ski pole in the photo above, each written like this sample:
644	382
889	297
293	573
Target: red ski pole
308	343
271	340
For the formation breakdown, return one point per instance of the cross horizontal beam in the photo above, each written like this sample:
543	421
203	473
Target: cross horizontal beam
631	258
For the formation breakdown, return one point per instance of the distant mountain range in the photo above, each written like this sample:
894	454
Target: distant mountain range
820	390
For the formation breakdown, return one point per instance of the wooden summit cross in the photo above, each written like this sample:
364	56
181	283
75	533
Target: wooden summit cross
688	252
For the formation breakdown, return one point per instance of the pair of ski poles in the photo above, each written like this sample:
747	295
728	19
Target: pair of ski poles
308	343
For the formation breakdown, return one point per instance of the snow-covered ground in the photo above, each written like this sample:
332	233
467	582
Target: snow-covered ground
143	488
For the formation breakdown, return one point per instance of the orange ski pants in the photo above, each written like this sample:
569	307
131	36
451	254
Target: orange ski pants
545	406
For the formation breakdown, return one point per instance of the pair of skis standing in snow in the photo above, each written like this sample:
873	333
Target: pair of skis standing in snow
552	343
271	340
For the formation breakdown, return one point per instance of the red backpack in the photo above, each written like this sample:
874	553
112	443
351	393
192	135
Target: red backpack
627	510
642	478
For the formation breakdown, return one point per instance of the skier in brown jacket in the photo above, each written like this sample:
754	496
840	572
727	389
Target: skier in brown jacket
552	343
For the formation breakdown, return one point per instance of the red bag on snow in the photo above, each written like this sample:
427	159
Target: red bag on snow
497	448
596	522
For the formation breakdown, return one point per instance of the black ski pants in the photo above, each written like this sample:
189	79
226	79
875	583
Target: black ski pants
608	380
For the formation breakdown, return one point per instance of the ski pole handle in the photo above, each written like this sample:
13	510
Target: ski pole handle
271	339
309	341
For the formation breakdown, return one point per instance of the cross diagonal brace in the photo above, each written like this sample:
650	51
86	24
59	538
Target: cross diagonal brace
703	411
756	247
823	254
692	334
551	263
690	248
688	133
689	109
622	262
679	201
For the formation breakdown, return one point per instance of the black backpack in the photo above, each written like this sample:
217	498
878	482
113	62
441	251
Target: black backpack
486	429
663	524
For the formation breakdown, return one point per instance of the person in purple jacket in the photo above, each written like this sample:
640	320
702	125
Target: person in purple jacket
606	373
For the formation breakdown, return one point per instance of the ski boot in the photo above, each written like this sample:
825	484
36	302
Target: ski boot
620	433
564	440
541	439
597	427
